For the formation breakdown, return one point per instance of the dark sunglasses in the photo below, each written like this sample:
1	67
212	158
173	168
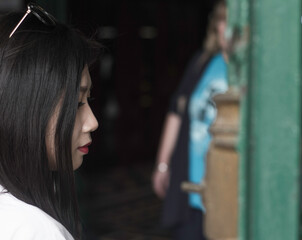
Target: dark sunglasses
40	13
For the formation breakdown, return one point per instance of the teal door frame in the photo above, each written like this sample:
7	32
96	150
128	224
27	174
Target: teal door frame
266	67
274	116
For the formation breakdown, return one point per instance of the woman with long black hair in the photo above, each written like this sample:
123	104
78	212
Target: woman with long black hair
45	124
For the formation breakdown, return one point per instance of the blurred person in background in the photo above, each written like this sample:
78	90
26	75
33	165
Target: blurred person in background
45	124
185	138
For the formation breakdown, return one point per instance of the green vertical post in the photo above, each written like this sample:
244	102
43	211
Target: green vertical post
274	124
58	8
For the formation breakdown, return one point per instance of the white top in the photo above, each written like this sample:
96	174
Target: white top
22	221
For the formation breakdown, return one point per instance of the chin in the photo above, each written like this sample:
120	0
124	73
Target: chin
77	163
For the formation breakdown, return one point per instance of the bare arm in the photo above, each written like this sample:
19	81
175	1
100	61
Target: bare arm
169	136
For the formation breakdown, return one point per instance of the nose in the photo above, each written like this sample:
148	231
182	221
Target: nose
91	123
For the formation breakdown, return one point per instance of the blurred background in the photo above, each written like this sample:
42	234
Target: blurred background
147	44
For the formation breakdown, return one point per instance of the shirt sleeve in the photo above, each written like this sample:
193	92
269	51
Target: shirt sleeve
179	99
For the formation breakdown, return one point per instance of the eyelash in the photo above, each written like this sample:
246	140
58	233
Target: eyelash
89	99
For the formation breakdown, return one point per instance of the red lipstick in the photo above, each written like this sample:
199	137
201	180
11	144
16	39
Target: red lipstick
84	149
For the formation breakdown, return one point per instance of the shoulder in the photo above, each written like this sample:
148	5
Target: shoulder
20	220
218	61
217	67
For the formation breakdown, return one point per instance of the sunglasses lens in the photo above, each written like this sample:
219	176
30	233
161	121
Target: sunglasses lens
42	15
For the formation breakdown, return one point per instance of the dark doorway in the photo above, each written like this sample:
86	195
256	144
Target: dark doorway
147	44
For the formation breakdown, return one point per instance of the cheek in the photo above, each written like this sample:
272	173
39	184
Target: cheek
77	158
76	132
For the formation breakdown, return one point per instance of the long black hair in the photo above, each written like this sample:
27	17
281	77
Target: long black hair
40	69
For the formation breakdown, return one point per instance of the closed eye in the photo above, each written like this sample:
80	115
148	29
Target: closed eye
80	104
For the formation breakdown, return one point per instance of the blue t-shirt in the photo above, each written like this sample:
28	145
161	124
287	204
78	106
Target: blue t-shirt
202	113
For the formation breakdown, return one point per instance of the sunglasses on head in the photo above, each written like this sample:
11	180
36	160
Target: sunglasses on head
40	13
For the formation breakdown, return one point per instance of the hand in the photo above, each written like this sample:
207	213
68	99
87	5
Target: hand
160	182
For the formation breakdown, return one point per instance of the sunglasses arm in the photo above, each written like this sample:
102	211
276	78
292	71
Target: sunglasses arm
25	15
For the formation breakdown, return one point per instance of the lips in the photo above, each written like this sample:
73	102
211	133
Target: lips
84	149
